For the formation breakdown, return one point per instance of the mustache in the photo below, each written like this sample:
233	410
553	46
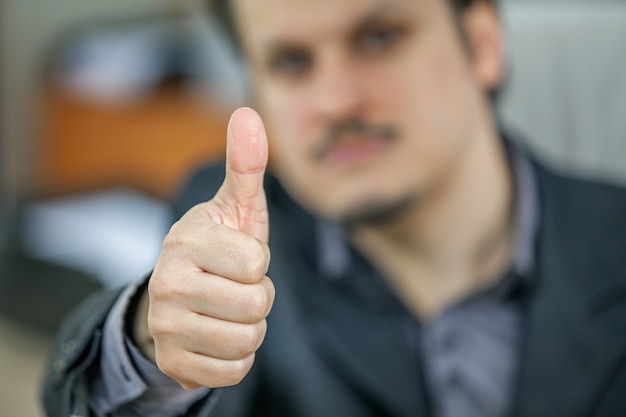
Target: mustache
356	128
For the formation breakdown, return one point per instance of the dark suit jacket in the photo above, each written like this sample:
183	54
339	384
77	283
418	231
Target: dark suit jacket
328	354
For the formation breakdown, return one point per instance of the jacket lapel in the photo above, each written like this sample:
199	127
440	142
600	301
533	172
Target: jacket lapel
365	348
368	351
576	318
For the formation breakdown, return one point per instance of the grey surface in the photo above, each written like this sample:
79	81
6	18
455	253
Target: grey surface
567	83
23	351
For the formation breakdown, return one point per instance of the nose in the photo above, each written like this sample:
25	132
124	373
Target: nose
337	93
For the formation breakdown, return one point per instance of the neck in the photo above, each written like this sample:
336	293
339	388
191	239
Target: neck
454	239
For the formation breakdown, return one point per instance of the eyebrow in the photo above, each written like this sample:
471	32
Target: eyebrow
367	19
384	10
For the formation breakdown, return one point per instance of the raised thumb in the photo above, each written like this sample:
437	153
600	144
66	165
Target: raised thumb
246	161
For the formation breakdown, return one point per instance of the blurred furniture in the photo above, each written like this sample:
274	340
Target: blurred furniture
137	104
149	144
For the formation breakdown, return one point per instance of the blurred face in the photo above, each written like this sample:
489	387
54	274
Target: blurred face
371	105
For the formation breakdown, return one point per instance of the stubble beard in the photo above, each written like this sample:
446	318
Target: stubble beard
379	213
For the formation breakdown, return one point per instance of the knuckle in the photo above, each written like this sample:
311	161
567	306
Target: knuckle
169	364
182	238
237	370
159	329
163	327
270	292
254	260
160	289
156	287
175	242
248	339
256	304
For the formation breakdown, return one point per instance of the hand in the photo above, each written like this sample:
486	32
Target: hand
208	295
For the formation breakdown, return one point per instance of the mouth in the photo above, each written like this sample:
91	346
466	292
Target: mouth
354	144
353	151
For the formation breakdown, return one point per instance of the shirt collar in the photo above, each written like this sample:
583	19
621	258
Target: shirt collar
334	257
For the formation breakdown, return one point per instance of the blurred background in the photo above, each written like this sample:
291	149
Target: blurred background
107	106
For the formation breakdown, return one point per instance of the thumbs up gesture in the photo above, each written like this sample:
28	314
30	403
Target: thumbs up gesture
209	296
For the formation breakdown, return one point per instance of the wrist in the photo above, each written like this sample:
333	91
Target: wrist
136	327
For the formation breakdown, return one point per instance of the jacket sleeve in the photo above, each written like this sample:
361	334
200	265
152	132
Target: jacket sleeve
77	348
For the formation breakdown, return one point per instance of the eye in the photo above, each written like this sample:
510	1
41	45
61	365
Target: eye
290	63
379	39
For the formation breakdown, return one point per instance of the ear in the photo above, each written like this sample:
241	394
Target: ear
483	29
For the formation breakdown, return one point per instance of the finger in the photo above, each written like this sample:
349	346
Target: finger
246	161
193	370
216	247
232	301
229	253
236	340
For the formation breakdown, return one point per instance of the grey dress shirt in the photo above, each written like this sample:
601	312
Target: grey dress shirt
469	352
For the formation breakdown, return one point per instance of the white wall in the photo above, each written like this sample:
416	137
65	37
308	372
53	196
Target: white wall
567	89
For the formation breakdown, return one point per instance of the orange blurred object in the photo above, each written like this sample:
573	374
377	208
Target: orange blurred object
150	144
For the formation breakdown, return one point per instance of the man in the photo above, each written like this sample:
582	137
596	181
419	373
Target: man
422	264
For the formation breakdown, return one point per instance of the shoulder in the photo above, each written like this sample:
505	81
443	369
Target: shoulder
584	218
587	199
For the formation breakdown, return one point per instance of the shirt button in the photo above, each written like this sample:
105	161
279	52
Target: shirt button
68	347
59	365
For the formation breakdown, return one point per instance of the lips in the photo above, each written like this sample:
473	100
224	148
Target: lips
352	151
353	143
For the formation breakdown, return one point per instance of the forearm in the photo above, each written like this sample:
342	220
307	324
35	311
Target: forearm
74	354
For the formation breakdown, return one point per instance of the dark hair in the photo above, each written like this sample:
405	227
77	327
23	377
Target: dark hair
221	10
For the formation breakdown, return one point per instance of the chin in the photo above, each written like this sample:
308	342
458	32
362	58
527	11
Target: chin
375	211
